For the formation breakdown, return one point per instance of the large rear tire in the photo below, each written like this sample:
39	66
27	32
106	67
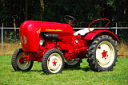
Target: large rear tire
102	54
53	61
19	63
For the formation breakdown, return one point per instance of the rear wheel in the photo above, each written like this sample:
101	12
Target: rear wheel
53	61
19	63
102	54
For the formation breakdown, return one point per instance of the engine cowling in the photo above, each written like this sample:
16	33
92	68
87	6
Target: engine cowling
30	32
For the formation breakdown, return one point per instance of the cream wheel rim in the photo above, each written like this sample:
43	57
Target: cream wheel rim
54	62
105	54
22	63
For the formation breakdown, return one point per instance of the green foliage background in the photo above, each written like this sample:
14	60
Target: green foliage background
17	11
54	10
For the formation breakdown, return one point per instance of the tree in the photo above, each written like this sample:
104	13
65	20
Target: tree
42	4
54	10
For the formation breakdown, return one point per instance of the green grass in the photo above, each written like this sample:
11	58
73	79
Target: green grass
78	76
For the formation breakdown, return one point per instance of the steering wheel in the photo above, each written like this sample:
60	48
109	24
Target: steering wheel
70	19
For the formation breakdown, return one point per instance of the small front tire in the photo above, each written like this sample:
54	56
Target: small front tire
53	61
19	63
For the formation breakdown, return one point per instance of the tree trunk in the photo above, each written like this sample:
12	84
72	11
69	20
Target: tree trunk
42	4
26	9
5	36
14	24
99	15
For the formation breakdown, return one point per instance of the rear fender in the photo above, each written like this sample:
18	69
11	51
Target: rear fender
91	35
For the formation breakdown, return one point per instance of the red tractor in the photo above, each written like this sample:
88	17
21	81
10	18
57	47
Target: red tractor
57	45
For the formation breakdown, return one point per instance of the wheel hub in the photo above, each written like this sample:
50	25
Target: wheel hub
104	54
21	60
54	63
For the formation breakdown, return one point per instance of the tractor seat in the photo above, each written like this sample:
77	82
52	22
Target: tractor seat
83	31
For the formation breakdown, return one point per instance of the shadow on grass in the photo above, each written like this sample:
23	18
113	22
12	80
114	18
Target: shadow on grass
65	69
29	71
79	68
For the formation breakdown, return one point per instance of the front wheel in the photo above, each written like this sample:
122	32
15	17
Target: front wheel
18	61
73	63
102	54
53	61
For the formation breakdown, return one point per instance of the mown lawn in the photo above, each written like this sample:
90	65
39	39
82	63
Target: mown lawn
78	76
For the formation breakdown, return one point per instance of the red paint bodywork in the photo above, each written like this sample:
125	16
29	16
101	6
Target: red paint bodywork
31	32
91	35
30	28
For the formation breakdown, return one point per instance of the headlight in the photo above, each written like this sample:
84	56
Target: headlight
21	39
42	42
25	39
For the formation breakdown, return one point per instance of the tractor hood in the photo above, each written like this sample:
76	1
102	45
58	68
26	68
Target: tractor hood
30	31
42	26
